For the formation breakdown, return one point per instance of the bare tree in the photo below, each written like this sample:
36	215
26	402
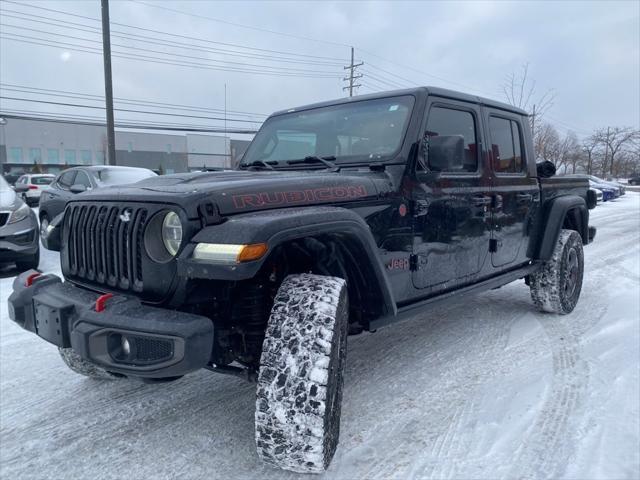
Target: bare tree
615	141
546	142
590	146
520	92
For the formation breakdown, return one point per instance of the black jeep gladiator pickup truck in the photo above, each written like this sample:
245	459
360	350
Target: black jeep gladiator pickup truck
343	216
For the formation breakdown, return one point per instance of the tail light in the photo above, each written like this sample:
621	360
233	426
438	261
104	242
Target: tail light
33	187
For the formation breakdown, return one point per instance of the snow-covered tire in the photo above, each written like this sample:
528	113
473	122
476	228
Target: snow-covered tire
81	366
555	288
299	392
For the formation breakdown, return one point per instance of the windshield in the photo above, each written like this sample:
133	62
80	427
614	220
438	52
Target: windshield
41	180
352	132
123	176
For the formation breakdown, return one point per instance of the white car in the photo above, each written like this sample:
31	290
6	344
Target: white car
30	186
599	194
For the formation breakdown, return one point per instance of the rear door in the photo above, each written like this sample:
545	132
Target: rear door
451	208
515	189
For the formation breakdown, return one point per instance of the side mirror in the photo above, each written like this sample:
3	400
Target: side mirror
20	188
445	153
78	188
51	238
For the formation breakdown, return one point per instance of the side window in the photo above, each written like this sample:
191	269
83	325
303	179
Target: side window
506	145
449	121
66	179
82	179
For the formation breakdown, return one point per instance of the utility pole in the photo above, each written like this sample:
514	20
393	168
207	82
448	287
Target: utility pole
108	86
352	77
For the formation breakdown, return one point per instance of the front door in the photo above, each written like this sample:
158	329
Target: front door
451	209
515	189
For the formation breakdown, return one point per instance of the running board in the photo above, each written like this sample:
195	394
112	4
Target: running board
488	284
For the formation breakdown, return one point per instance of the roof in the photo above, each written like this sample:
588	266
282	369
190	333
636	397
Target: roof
432	91
108	167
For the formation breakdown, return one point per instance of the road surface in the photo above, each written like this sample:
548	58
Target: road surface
481	388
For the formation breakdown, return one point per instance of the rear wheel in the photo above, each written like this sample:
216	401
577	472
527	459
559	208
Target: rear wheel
556	287
299	392
82	367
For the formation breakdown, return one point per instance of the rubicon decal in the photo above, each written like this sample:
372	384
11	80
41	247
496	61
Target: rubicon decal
292	197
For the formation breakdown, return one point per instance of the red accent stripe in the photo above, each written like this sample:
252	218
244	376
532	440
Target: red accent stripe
101	301
31	278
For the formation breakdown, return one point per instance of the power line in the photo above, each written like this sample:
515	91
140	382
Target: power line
156	60
128	125
87	96
291	35
175	34
122	109
164	42
180	55
267	68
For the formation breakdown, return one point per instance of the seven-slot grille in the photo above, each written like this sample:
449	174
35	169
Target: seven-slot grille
105	244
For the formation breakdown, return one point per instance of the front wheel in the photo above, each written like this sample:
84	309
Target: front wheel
556	287
299	392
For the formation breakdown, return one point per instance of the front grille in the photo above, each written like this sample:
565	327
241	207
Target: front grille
104	244
4	218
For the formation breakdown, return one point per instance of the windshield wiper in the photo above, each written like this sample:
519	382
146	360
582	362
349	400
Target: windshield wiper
257	163
327	161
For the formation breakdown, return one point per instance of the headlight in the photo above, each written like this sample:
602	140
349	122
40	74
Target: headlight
20	213
172	233
229	254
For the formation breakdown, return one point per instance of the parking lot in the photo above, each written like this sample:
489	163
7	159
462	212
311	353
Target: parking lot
487	388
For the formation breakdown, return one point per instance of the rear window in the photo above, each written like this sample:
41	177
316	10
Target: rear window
41	180
506	145
123	176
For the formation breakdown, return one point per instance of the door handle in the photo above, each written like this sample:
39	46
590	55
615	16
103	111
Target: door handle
524	197
481	201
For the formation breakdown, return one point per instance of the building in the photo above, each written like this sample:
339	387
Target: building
50	146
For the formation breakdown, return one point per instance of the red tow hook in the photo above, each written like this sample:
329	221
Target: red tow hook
31	278
101	301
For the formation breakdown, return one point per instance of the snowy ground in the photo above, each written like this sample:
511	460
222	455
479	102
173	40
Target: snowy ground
487	388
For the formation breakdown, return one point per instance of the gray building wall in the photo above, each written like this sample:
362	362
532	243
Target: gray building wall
54	146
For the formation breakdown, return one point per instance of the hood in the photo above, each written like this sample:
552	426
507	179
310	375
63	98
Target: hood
7	198
238	191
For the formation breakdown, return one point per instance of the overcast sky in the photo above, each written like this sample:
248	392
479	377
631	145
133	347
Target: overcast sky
588	53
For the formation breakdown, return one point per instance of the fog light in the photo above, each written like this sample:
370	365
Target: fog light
126	348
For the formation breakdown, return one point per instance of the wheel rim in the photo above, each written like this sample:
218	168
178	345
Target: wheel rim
571	273
44	224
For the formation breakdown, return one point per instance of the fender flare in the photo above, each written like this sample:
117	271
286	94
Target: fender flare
554	213
275	227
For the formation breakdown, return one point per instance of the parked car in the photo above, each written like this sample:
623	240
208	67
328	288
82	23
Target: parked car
634	180
609	192
18	230
12	178
76	180
598	193
617	187
343	217
30	186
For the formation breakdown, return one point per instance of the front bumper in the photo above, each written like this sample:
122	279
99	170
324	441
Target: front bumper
161	343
